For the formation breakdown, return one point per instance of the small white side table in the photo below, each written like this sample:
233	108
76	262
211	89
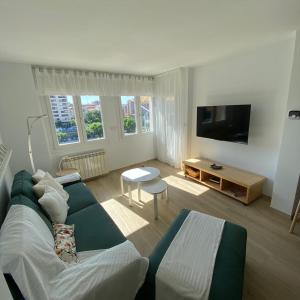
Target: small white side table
137	175
155	187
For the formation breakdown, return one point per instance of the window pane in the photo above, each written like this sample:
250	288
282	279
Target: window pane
146	113
64	119
128	114
91	108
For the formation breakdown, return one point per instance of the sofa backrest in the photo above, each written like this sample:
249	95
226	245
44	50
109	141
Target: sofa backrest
22	193
22	200
22	185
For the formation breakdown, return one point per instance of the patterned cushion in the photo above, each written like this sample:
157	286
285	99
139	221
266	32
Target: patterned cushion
65	246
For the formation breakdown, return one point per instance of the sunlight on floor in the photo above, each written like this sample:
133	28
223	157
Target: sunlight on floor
181	173
127	221
186	185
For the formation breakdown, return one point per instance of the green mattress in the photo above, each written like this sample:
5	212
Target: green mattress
228	276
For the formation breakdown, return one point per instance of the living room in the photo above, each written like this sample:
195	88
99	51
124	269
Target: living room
210	56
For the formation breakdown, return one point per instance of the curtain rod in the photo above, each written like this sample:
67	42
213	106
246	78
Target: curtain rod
92	71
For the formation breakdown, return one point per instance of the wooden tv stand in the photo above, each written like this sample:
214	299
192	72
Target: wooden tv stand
238	184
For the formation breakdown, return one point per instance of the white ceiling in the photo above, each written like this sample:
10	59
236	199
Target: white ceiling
138	36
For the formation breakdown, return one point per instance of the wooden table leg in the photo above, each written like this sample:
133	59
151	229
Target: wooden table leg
166	194
139	191
122	185
129	194
155	207
295	218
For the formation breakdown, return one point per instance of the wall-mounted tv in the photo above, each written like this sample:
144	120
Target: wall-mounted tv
225	122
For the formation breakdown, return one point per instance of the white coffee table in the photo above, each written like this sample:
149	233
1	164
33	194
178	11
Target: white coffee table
137	175
155	187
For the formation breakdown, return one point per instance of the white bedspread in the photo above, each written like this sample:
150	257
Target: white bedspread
27	253
186	269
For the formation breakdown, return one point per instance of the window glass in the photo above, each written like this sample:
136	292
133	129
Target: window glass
128	104
92	117
146	113
63	113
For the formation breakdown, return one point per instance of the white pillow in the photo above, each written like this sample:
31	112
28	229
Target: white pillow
48	180
54	205
38	175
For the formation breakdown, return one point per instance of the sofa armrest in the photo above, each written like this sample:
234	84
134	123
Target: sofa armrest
69	179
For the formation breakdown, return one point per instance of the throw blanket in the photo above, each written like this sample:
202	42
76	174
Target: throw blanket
68	178
186	270
27	253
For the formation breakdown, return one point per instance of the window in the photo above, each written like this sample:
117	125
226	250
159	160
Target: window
146	113
65	126
129	114
136	114
76	119
92	117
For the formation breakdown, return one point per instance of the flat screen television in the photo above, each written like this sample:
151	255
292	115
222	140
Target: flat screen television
225	122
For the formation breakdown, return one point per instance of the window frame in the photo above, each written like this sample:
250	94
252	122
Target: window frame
82	123
83	141
138	116
151	115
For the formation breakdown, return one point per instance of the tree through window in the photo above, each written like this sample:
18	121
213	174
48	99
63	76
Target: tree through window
136	114
66	108
129	114
92	116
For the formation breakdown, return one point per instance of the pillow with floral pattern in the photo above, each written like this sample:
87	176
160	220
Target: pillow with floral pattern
65	246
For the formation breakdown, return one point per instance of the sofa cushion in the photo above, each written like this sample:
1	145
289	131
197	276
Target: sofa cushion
228	277
48	180
38	175
148	289
79	197
54	205
22	200
23	175
22	184
65	247
94	229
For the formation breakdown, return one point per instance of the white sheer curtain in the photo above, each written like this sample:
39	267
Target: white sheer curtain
171	113
51	81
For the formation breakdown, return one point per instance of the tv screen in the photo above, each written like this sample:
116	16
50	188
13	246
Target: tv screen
225	123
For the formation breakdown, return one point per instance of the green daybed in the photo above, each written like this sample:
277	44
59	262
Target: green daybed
227	282
96	230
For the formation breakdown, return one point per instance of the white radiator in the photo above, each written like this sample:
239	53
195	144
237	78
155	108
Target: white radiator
89	165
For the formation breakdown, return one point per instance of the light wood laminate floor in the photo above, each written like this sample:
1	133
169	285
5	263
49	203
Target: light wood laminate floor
273	255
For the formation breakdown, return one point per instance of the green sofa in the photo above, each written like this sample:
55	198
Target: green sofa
94	229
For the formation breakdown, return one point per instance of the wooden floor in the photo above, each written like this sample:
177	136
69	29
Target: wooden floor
273	255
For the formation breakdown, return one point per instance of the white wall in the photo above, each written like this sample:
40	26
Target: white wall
288	169
18	99
259	77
